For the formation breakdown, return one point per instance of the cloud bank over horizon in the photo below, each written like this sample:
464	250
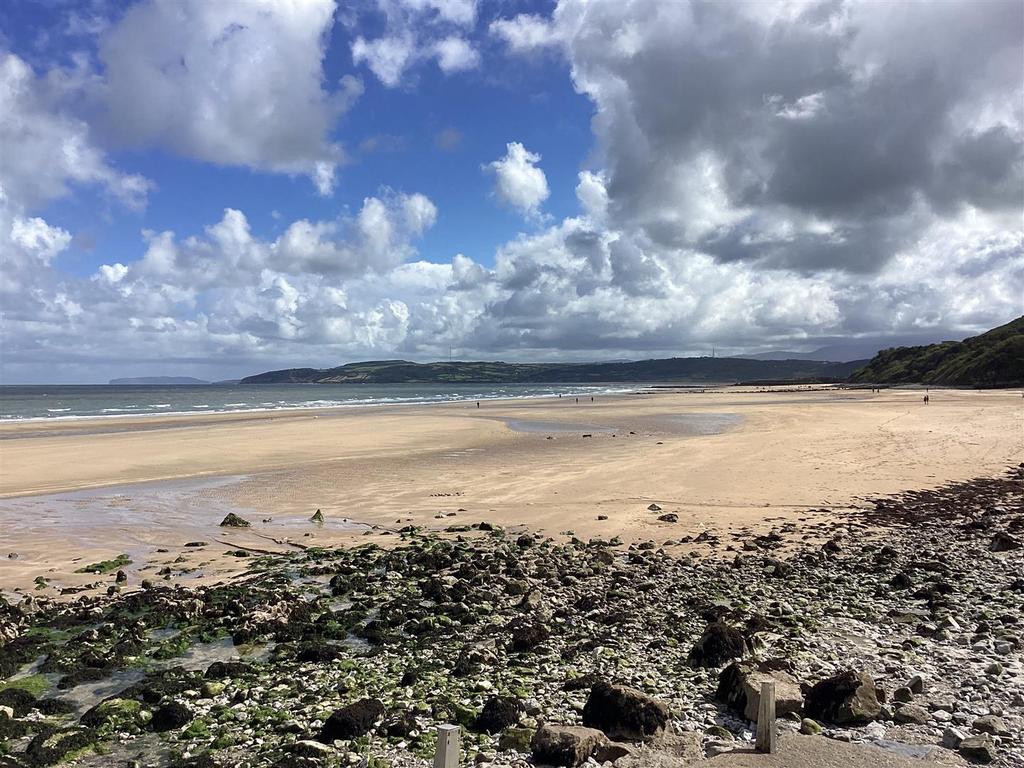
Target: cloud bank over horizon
761	176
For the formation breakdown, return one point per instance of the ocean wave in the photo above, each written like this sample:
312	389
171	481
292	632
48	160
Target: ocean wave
133	411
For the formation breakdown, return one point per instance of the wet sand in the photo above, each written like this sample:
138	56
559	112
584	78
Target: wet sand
72	493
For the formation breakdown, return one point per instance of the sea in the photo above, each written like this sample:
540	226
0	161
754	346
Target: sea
45	402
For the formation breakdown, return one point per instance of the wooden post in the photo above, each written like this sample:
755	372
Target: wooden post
766	719
447	755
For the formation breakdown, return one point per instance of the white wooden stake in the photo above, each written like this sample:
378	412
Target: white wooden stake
766	719
447	755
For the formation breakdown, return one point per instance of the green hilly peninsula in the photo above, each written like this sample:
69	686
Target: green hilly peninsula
993	359
681	369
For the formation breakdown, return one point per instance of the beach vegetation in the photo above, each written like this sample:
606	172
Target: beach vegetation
106	566
36	685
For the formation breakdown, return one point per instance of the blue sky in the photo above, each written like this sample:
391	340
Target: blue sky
392	140
215	189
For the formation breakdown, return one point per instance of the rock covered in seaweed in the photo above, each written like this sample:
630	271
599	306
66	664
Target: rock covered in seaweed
352	720
718	644
624	713
231	520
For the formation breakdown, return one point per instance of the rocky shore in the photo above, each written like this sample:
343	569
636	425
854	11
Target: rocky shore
903	629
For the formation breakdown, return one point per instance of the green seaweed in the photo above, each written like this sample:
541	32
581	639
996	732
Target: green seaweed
34	684
106	566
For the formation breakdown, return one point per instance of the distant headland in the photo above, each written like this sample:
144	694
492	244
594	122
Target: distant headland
992	359
157	380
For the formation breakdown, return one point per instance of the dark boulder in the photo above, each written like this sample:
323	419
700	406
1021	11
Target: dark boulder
171	716
49	747
901	581
231	520
356	719
221	669
1004	542
317	652
18	700
719	643
527	635
499	713
847	698
624	713
80	675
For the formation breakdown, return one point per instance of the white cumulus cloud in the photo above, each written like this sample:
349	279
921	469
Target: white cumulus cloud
525	32
518	181
233	83
455	54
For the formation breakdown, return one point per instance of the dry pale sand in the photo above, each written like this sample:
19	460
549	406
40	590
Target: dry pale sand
70	493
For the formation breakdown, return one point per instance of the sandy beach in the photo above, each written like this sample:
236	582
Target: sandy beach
81	491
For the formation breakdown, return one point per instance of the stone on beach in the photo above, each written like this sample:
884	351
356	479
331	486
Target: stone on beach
624	713
231	520
847	698
979	749
171	716
1004	542
992	724
739	687
718	644
912	713
565	745
356	719
499	713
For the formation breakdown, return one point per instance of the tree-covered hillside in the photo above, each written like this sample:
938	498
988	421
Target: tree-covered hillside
993	359
683	369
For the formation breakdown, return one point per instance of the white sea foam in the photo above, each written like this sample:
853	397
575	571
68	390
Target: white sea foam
128	410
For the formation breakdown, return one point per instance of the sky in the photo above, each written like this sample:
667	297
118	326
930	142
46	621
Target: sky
215	189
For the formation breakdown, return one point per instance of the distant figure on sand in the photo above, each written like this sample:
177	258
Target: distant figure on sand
926	398
477	403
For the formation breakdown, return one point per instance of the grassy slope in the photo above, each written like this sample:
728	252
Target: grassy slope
993	359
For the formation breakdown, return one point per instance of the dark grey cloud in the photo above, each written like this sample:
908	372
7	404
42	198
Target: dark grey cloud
854	118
